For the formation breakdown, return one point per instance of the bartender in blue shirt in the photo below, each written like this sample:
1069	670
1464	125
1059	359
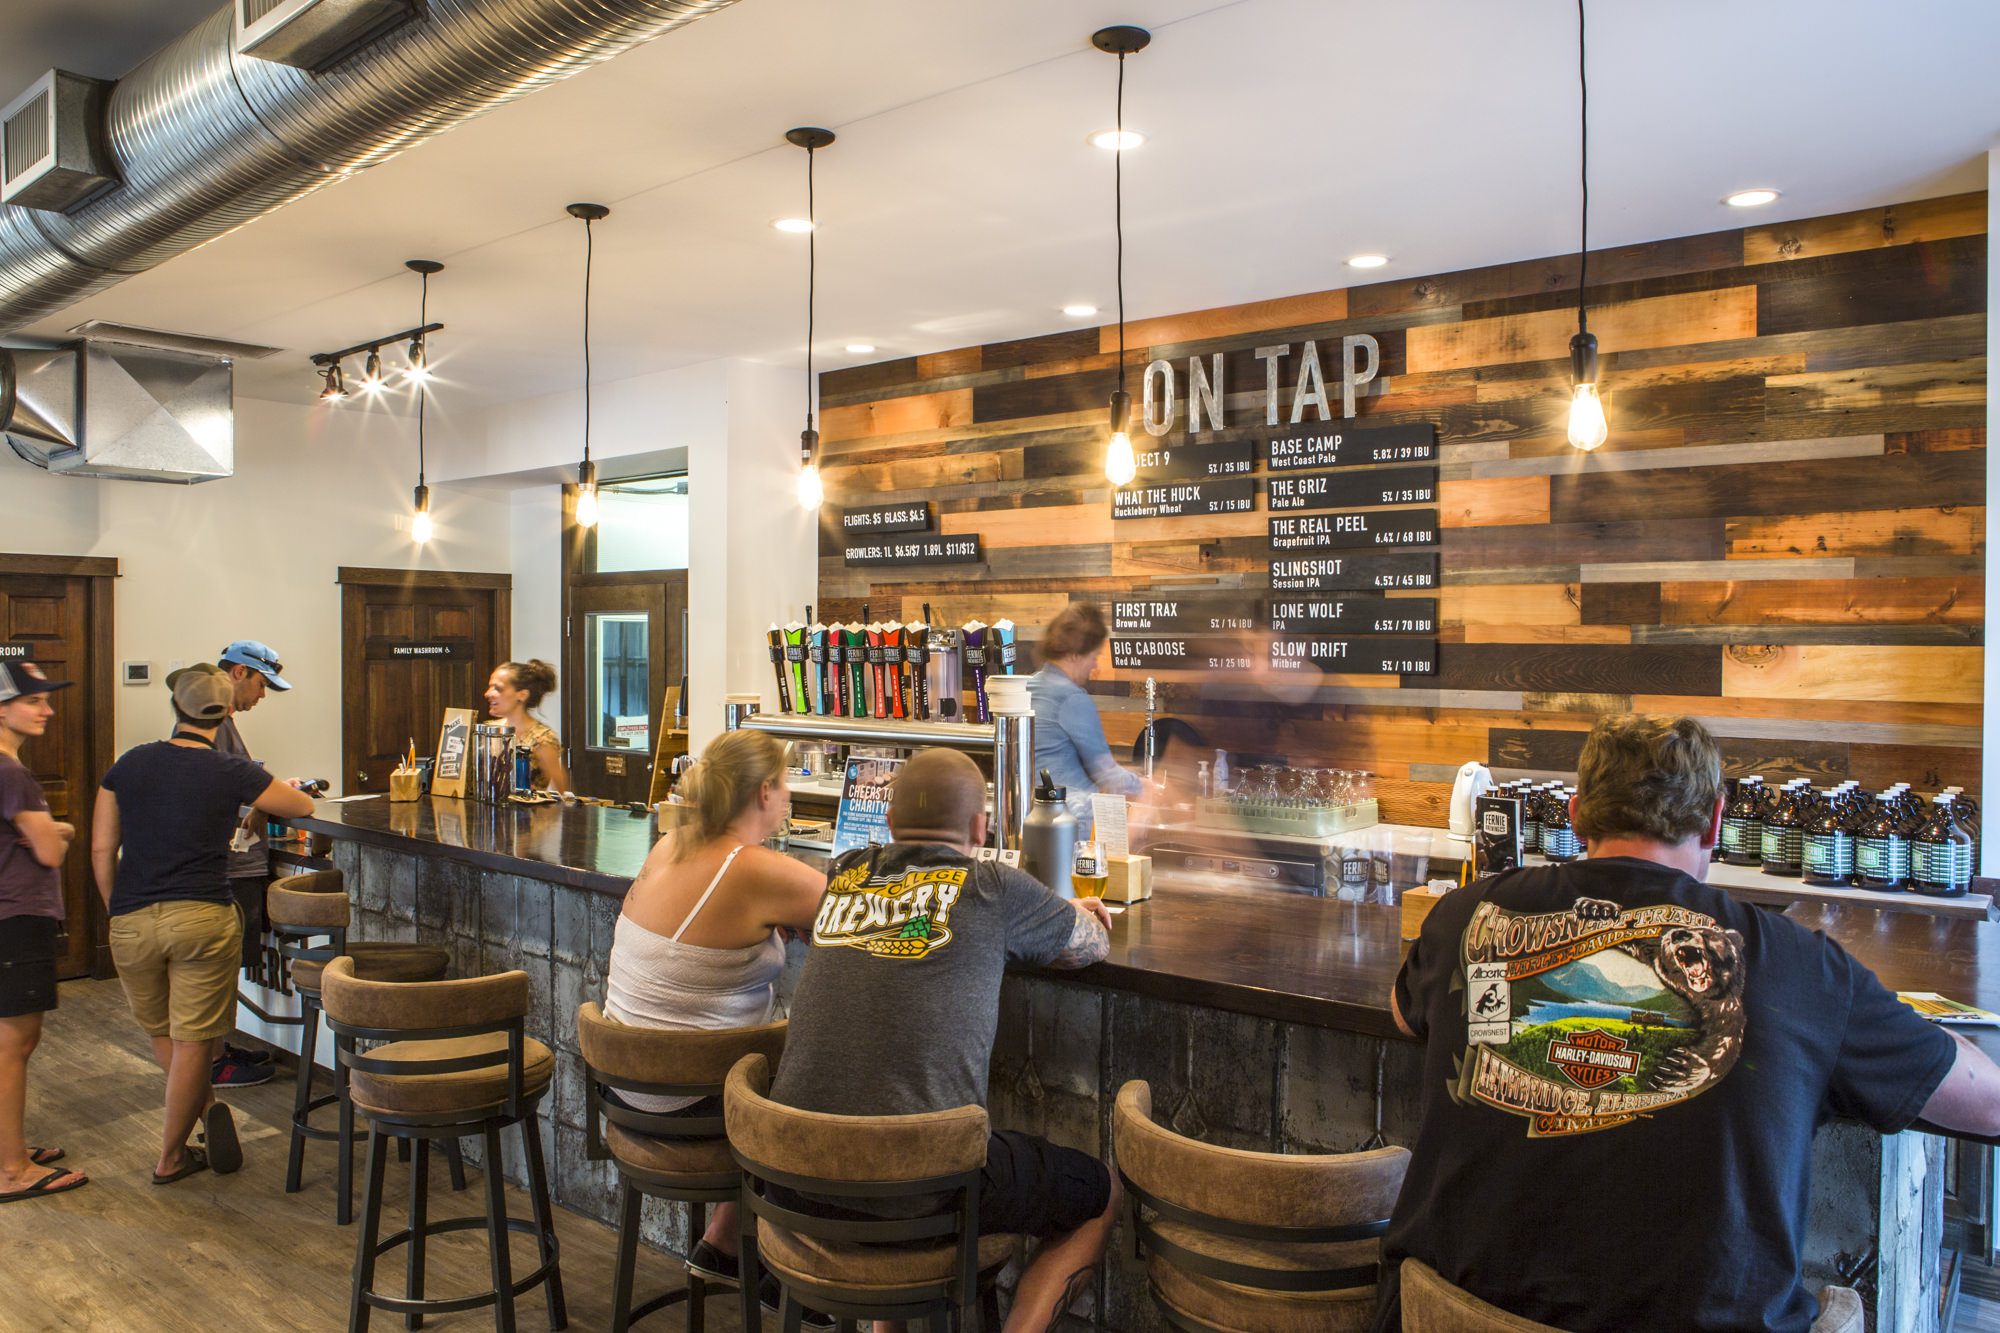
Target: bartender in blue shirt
1069	739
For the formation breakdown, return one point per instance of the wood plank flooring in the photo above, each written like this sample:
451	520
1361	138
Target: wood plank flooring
234	1252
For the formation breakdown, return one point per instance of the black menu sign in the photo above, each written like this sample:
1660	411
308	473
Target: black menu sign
914	516
1336	573
1193	462
1345	654
1175	499
962	550
1323	444
1345	531
1338	490
1358	615
1184	613
1180	653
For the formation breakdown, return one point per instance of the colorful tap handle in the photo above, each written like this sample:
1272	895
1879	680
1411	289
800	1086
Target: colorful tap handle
1000	653
878	699
775	637
893	675
816	656
795	667
855	694
975	664
916	658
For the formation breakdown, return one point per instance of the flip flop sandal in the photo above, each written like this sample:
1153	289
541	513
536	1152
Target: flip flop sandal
225	1152
192	1160
41	1189
46	1156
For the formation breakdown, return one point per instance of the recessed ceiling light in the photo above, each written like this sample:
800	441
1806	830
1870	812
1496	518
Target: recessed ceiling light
1751	198
1117	141
1367	261
861	349
795	226
1079	311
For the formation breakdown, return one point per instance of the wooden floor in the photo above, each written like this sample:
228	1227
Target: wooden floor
232	1252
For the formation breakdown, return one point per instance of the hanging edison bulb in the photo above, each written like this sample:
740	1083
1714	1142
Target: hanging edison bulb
421	529
811	491
1587	427
586	495
1120	463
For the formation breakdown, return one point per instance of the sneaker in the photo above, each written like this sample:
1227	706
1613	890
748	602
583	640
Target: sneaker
768	1296
242	1056
713	1265
227	1073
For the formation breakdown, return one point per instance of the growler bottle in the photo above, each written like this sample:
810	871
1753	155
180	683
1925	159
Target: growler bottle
1559	840
1742	824
1780	842
1826	852
1934	853
1881	852
1531	819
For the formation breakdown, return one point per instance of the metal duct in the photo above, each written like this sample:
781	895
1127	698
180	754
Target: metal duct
206	140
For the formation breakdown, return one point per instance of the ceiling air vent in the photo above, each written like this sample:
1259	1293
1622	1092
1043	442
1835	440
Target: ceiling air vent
52	153
314	34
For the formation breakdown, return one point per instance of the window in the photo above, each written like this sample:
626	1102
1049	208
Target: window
642	524
616	669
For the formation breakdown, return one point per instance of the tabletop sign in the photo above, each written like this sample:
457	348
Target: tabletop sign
1356	615
454	744
1180	652
1340	573
1366	528
1320	445
1348	655
863	816
1177	499
962	550
912	517
1184	613
1337	490
1194	462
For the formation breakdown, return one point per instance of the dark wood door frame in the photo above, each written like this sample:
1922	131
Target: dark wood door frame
100	687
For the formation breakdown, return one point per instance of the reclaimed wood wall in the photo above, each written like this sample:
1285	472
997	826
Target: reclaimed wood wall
1784	536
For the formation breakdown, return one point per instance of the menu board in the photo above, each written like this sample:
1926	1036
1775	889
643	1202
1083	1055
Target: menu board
962	550
1342	531
913	516
1181	653
1360	615
1236	495
1337	573
1192	462
1389	655
1338	490
1184	613
1321	444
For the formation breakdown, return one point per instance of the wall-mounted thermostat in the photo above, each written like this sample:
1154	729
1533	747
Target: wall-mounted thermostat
138	673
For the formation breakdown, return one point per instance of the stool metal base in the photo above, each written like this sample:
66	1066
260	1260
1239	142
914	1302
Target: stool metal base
632	1191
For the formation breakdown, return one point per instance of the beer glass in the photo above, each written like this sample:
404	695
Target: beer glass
1091	874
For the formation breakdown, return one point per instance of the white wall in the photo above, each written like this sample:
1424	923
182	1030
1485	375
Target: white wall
254	556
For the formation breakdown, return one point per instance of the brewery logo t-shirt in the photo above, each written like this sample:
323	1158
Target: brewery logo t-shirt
1615	1052
899	998
177	807
27	887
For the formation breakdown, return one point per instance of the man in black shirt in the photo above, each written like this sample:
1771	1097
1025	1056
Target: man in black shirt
1614	1051
168	807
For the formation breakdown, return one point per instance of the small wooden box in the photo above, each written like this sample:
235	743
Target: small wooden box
405	784
1417	904
1131	879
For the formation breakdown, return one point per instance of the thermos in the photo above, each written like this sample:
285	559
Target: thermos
1048	842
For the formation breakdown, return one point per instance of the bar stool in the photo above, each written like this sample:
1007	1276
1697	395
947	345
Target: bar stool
934	1266
314	907
1433	1305
455	1060
1252	1242
667	1156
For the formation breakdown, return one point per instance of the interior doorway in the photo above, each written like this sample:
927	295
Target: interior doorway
413	643
56	611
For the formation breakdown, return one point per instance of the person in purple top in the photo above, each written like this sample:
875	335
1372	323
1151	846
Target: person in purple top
32	846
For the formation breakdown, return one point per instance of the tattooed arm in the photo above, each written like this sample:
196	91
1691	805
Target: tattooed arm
1089	940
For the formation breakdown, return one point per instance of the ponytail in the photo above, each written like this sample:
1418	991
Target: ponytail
723	783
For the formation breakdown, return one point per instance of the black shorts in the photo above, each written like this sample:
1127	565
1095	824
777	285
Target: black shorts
249	894
1029	1187
27	965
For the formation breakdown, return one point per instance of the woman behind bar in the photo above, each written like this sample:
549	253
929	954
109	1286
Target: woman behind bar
697	944
512	693
1069	739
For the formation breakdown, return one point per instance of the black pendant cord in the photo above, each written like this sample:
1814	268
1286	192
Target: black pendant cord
1118	217
812	280
589	247
1583	117
423	386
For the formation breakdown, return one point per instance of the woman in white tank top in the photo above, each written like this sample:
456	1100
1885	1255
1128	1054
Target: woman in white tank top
699	944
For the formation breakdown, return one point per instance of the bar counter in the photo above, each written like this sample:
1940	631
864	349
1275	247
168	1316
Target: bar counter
1260	1018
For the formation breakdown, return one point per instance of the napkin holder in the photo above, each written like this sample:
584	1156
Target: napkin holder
405	784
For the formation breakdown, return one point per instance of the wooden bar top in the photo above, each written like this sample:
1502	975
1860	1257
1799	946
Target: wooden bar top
594	847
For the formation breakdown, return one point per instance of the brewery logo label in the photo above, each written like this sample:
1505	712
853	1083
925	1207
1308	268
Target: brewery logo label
898	914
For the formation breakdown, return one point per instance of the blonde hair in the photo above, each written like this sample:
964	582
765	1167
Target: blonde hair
721	785
1657	777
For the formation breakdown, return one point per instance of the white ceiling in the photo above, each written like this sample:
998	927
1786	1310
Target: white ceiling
962	204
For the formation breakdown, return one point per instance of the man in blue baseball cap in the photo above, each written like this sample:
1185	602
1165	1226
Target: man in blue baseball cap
253	667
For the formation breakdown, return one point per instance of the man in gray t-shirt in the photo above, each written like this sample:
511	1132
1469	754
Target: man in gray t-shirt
252	668
900	995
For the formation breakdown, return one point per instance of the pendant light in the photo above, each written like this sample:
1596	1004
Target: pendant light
420	516
1587	427
810	489
1120	465
586	472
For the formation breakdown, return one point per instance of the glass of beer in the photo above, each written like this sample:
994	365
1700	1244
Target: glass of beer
1091	874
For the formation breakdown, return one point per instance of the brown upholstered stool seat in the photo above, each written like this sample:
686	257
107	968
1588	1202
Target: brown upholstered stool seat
380	961
1433	1305
667	1158
808	1259
1225	1305
467	1090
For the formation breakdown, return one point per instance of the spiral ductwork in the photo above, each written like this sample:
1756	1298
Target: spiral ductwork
205	140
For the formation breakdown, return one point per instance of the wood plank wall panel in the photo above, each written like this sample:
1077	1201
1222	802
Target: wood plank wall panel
1784	536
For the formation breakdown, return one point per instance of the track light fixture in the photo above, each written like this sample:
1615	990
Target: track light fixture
373	378
1120	464
586	472
335	388
1587	427
419	369
811	491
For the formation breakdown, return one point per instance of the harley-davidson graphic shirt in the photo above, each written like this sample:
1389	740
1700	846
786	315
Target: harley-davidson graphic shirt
1618	1058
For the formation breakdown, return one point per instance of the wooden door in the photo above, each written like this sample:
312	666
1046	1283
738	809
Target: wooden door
413	643
624	647
50	619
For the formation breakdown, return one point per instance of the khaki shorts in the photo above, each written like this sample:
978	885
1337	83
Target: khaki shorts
178	963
